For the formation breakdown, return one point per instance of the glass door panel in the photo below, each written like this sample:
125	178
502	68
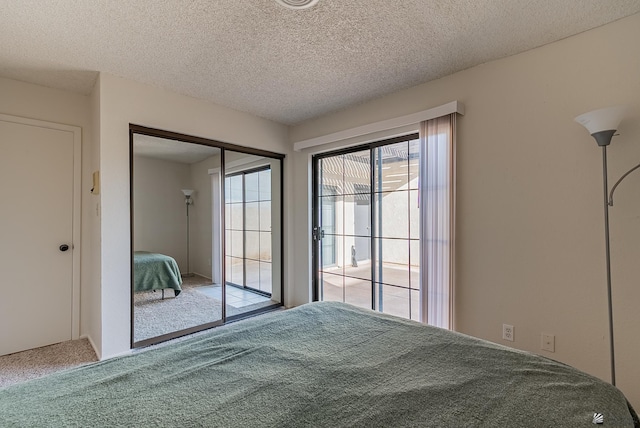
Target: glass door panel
253	254
367	219
393	300
391	266
357	292
396	175
357	228
173	202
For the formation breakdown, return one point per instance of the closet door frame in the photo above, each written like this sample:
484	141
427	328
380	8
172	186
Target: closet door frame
160	133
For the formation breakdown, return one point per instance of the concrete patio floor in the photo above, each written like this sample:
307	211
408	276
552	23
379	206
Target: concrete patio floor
353	285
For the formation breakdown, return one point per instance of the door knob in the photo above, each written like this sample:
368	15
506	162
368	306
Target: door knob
64	247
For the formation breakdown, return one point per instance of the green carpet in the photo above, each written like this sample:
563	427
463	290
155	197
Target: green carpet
319	365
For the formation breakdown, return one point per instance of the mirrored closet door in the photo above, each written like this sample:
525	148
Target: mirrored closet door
253	225
206	234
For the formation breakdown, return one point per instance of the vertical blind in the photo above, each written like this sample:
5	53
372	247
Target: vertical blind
437	216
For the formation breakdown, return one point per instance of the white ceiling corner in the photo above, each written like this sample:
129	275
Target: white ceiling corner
171	150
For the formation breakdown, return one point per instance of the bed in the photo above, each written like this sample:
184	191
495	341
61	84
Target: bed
153	271
320	365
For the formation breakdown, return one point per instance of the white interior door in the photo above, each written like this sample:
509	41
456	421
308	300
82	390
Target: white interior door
38	285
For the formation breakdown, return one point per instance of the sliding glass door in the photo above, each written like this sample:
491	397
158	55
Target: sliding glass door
366	227
384	224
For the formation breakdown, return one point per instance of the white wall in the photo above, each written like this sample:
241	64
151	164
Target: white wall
38	102
530	247
201	218
160	216
123	102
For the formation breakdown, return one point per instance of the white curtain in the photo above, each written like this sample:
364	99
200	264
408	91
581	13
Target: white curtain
437	220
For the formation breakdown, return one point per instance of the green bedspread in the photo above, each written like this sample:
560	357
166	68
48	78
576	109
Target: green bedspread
319	365
153	271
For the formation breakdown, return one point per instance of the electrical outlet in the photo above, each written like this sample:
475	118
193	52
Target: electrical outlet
548	342
507	332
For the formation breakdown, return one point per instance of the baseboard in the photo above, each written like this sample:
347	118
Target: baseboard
93	345
199	274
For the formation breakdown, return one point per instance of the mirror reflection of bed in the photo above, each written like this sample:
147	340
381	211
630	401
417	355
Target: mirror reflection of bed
178	216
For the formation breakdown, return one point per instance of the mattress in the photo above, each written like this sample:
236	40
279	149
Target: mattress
320	365
153	271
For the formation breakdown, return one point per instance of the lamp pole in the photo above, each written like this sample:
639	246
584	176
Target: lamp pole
608	261
602	125
188	202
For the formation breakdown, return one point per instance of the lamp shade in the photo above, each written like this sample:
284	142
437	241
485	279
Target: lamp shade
604	119
602	123
187	192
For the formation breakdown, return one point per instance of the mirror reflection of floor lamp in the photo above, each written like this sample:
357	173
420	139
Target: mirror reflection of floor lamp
602	125
188	200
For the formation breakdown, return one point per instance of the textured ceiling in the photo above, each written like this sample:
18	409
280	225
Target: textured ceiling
281	64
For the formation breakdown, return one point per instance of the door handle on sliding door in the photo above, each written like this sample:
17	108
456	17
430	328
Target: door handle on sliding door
317	233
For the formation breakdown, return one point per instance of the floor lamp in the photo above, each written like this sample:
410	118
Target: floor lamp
602	125
188	201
